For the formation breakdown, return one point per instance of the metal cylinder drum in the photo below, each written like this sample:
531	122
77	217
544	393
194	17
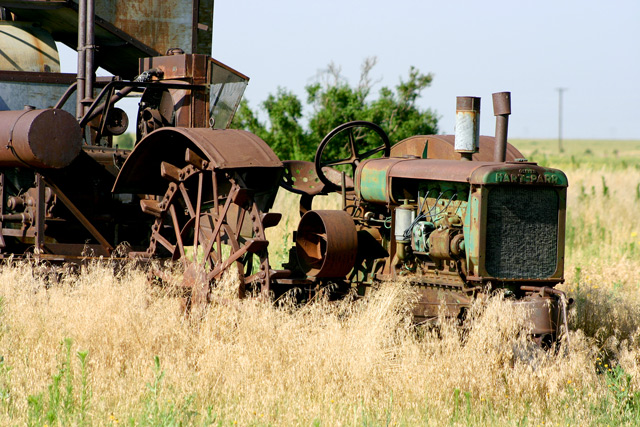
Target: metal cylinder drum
467	124
326	243
48	138
404	216
26	47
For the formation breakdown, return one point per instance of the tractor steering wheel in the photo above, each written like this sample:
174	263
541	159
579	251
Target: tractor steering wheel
354	137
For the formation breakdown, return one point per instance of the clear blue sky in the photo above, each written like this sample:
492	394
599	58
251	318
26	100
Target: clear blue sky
472	48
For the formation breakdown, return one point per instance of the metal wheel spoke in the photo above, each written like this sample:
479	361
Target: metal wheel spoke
220	220
239	223
187	200
196	228
221	267
338	162
209	253
164	242
216	207
352	145
177	231
372	152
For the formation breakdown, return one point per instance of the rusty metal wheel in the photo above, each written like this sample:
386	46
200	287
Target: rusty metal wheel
209	223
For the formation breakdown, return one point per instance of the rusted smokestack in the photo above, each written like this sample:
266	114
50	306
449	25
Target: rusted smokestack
467	126
89	46
82	64
502	110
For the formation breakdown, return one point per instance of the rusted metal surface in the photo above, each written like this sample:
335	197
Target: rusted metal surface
445	170
326	243
40	90
543	314
432	300
39	138
224	149
502	110
26	47
227	235
125	30
442	147
214	107
300	177
163	24
176	67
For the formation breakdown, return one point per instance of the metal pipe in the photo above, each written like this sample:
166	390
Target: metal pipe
344	190
82	70
115	98
467	126
502	110
19	217
90	51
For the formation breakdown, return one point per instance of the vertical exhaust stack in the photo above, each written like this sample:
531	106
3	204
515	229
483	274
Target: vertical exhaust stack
502	110
89	46
82	64
467	126
86	53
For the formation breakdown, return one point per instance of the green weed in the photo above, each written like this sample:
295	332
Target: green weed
622	405
6	399
605	189
158	412
60	406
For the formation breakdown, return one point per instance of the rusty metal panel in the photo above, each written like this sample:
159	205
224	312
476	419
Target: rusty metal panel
372	179
126	30
163	24
233	148
224	149
432	169
442	147
40	90
473	172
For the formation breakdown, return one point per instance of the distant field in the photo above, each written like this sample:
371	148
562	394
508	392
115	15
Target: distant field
581	152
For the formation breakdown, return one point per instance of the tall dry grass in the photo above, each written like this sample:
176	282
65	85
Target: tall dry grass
104	347
603	251
252	363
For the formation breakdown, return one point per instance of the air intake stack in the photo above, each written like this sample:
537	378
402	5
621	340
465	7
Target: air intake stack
467	126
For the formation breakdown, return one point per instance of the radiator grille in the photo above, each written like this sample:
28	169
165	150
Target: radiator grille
522	232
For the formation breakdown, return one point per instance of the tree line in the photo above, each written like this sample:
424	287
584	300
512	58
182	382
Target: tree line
333	101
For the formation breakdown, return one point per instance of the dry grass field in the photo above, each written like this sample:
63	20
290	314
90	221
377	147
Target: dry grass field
104	347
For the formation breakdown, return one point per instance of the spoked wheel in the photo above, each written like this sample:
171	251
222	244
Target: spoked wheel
209	223
345	147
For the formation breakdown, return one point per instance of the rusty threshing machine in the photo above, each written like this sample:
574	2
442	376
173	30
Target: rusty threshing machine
455	216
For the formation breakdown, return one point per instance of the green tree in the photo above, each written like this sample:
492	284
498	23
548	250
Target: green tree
285	135
333	101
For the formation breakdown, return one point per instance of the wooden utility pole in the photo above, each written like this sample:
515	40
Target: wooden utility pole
560	90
